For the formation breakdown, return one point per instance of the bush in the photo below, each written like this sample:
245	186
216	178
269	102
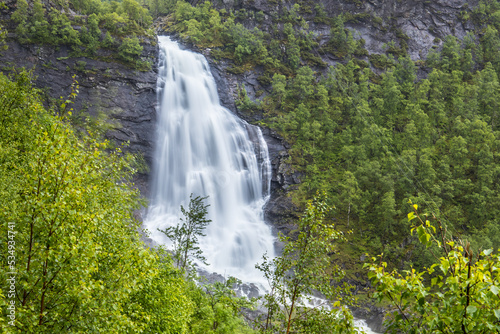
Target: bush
130	50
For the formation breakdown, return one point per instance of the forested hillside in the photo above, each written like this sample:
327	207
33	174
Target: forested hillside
372	128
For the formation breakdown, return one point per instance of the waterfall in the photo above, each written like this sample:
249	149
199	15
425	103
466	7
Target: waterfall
202	148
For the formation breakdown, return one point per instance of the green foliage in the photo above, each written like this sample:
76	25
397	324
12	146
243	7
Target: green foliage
72	209
53	25
40	27
369	140
130	49
3	34
62	32
162	303
91	34
136	13
380	61
161	7
185	236
458	293
244	103
218	309
304	267
109	41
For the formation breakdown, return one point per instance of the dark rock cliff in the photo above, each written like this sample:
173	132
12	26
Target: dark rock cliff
126	97
378	21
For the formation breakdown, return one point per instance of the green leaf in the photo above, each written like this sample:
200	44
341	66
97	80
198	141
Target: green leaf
497	313
494	289
487	252
471	309
420	231
411	216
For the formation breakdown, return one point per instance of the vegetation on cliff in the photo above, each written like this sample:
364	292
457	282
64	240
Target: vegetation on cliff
78	24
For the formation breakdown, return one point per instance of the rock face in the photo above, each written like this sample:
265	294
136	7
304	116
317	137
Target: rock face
378	21
125	97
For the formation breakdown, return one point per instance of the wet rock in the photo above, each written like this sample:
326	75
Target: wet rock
372	315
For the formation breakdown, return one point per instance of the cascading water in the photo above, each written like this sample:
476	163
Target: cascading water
204	149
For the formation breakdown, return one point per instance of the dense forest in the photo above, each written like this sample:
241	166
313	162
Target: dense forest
373	134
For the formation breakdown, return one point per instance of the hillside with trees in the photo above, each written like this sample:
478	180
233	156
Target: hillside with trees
370	130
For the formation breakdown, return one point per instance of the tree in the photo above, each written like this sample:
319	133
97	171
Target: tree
303	268
491	46
3	34
218	309
130	49
69	206
279	87
185	235
61	30
488	93
108	41
20	16
163	302
458	293
40	27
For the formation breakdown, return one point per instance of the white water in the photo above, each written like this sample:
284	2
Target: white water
202	148
361	324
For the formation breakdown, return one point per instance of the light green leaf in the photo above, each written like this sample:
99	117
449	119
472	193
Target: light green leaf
471	309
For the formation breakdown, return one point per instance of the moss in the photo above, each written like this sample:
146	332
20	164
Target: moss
401	35
361	17
361	52
377	20
80	65
219	54
235	69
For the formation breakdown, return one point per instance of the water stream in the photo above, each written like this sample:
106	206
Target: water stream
203	149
